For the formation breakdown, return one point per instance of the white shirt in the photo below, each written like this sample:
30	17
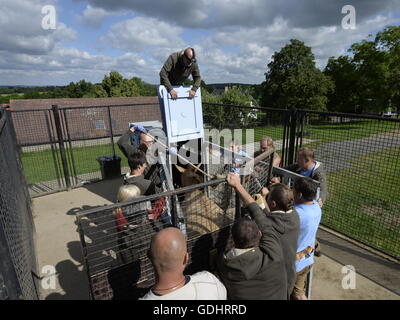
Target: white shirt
203	285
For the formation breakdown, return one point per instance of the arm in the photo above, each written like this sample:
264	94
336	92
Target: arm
277	160
234	181
320	176
269	242
124	143
165	70
196	77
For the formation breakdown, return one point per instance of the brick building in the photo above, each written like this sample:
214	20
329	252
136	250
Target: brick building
81	119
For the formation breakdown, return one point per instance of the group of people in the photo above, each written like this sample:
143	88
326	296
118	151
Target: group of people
274	246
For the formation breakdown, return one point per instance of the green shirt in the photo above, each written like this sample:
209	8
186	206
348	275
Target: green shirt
174	72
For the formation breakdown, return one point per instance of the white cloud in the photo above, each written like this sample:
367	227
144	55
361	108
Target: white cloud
247	13
242	36
93	17
140	33
21	28
253	47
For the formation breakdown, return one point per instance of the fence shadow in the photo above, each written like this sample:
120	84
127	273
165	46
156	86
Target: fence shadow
72	277
106	189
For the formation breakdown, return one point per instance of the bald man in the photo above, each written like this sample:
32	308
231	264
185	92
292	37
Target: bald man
169	256
177	68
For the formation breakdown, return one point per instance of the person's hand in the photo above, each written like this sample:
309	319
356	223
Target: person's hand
320	202
192	94
139	127
174	94
173	151
264	192
275	180
233	179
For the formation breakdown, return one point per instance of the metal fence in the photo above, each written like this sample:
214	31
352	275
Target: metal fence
359	153
59	147
361	156
116	238
17	262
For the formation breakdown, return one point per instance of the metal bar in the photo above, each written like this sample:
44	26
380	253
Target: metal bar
302	119
111	131
71	150
61	143
84	253
117	105
292	135
53	150
155	196
285	130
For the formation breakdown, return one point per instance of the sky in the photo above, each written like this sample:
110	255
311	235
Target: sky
234	40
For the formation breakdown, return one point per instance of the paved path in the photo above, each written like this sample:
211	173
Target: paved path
340	154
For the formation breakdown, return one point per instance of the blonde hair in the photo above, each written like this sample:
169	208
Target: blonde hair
269	140
127	191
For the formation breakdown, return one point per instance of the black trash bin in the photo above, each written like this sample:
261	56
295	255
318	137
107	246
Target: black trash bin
110	167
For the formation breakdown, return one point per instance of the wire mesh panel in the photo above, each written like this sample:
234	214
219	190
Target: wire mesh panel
361	156
87	135
36	138
116	238
16	223
248	125
65	153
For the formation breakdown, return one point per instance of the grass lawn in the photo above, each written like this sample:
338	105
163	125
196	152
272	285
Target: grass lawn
39	166
363	200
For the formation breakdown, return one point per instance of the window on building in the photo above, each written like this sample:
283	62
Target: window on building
99	125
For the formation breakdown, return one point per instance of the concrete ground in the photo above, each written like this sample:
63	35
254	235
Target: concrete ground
58	245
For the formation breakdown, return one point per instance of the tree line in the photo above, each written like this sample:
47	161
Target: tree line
112	85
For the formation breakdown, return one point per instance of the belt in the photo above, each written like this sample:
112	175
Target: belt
305	253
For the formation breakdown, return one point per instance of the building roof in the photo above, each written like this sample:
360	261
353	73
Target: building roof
25	104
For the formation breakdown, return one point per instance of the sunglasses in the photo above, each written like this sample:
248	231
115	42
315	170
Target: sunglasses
189	61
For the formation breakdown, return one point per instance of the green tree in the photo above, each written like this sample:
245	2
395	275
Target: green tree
224	116
343	73
114	85
145	89
389	41
293	80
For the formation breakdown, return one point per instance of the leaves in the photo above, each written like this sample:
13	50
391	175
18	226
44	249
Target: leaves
293	80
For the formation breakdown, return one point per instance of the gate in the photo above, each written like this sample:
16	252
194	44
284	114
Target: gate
39	136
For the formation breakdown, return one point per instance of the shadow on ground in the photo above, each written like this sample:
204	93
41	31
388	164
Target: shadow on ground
106	189
72	278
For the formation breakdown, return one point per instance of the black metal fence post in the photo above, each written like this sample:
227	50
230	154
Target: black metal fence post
292	136
60	138
111	131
